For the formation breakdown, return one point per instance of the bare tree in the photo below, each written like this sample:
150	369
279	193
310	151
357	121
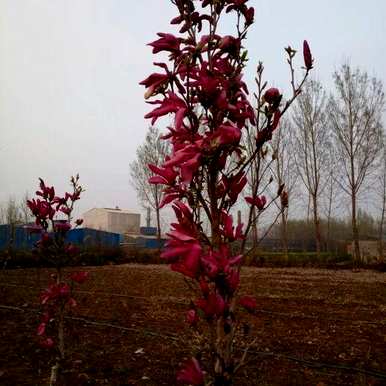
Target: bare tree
24	211
311	140
152	151
355	112
283	171
380	191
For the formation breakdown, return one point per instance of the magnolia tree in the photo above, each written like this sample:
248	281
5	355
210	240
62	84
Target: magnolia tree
53	217
202	85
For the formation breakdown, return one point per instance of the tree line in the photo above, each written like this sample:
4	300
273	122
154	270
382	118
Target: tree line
326	157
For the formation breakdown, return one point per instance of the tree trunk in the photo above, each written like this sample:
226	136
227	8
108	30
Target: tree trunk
316	225
355	231
381	225
158	227
284	233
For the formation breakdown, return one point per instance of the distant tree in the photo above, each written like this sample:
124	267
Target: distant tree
24	211
152	151
380	191
282	169
311	141
356	112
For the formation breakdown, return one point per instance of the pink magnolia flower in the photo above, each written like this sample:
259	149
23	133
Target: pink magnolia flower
258	201
65	210
213	305
226	134
219	262
46	192
308	60
189	264
153	83
191	373
170	104
233	185
233	279
80	277
272	95
248	302
165	175
228	229
166	42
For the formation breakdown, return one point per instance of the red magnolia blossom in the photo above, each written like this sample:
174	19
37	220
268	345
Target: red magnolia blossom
202	86
258	201
248	302
272	95
232	186
55	292
46	192
228	230
215	262
212	306
165	175
153	83
166	42
191	373
53	247
308	60
226	135
170	104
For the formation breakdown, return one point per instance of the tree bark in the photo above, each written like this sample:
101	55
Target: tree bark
316	225
158	227
355	231
284	234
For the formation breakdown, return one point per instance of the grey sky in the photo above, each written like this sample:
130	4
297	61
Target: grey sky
69	71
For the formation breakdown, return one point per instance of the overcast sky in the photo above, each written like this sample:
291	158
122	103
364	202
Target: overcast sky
69	71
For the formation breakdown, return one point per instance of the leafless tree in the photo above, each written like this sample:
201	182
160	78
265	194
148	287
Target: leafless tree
311	140
152	151
380	191
283	170
355	111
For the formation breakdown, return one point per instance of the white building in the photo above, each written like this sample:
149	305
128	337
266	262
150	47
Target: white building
112	220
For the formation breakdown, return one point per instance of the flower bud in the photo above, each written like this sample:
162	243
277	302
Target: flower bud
307	55
272	95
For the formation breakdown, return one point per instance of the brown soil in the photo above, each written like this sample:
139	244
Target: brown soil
313	327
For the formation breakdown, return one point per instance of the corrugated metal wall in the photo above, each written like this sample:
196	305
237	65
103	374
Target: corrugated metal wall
19	238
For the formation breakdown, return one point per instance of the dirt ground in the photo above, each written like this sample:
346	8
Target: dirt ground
313	327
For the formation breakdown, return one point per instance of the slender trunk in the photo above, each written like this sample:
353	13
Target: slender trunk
224	326
55	370
284	233
316	225
381	225
355	231
158	227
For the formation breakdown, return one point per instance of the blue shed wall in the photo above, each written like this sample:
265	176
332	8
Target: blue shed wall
81	236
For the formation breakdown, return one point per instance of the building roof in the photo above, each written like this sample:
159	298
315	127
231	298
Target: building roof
114	210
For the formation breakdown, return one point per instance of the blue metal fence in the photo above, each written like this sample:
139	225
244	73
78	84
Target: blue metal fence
19	238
